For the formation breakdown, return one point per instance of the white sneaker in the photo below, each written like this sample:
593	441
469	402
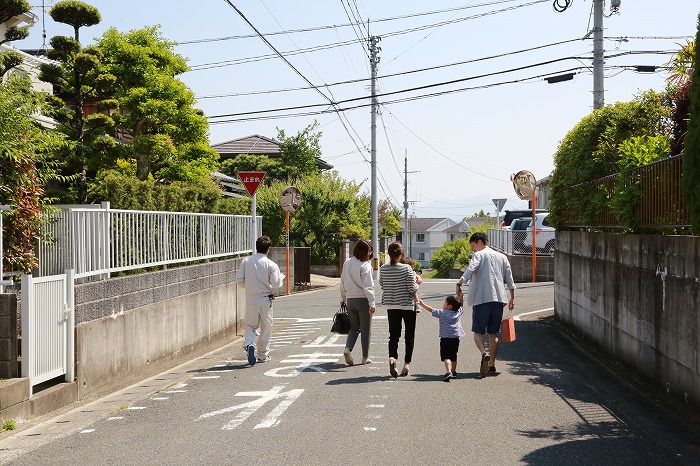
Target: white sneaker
348	357
265	359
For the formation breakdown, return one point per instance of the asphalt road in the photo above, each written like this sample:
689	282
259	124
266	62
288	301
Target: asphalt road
553	403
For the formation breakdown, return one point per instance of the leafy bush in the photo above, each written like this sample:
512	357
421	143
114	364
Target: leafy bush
125	192
452	254
690	182
595	147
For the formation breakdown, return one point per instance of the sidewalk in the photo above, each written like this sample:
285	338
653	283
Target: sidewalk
75	416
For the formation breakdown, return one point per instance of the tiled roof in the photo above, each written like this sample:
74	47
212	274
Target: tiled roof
256	145
253	145
422	224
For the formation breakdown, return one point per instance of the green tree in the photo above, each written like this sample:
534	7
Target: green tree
169	136
26	167
678	90
299	155
331	209
389	217
8	9
690	182
453	254
591	150
81	95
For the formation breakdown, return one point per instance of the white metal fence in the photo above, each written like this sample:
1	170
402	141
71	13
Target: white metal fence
47	328
96	240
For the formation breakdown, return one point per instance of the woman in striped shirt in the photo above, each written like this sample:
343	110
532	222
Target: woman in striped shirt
398	282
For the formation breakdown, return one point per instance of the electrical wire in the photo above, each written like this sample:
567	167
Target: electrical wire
333	26
439	84
219	64
405	73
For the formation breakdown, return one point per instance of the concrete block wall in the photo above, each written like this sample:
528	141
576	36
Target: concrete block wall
135	326
638	297
8	336
521	266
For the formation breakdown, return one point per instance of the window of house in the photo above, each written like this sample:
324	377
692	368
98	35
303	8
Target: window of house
421	256
420	237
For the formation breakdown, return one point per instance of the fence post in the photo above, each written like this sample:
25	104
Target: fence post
27	323
70	325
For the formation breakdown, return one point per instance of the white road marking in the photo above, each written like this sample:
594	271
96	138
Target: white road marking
87	431
176	391
247	409
160	398
136	408
517	317
370	429
374	406
115	418
203	377
318	342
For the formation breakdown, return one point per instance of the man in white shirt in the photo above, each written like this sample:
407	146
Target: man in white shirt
488	274
260	276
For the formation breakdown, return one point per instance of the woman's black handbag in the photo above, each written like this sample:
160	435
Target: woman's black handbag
341	321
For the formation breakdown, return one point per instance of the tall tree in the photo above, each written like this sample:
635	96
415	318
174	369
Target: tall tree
9	9
690	181
25	166
331	209
79	81
679	94
170	138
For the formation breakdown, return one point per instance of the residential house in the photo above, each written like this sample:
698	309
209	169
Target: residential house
463	229
256	145
425	236
30	63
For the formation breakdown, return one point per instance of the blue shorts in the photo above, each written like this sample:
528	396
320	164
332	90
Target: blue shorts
487	317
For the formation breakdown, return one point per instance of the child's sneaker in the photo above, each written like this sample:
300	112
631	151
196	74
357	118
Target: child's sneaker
447	377
454	374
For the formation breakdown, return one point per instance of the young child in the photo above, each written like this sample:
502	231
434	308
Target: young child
419	280
450	331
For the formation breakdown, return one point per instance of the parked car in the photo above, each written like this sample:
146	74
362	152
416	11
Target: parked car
519	227
545	234
511	215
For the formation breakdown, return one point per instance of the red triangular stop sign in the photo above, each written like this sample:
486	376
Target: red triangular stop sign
251	180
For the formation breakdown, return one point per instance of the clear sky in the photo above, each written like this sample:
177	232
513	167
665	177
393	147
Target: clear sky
461	145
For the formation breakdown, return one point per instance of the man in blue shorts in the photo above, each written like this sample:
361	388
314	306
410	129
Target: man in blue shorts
488	274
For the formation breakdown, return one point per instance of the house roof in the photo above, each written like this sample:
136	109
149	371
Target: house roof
253	145
256	145
478	221
423	224
461	227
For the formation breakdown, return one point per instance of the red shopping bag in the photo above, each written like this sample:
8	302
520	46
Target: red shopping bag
508	330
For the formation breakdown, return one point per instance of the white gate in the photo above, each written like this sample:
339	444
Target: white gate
47	328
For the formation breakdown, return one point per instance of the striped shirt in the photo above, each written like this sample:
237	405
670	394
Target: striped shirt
398	284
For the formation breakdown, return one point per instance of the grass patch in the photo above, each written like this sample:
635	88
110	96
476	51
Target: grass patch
9	424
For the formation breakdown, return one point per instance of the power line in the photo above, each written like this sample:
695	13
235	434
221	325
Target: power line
335	26
206	66
439	84
404	73
400	100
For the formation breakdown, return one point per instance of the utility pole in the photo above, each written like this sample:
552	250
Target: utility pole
598	61
374	61
405	201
